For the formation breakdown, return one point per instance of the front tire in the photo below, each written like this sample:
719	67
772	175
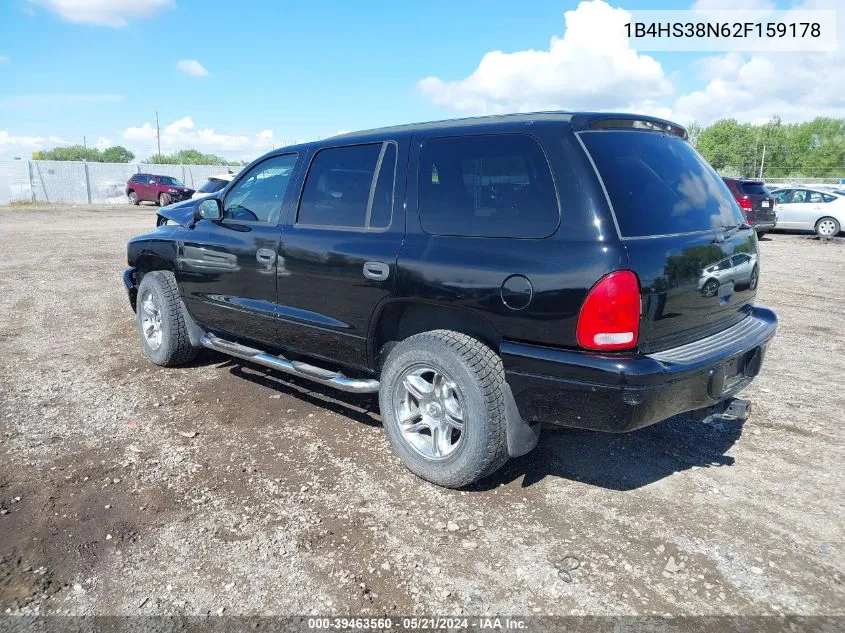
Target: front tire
828	227
164	199
442	402
161	323
133	198
710	288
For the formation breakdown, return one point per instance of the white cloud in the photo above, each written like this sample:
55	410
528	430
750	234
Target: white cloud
111	13
22	145
797	86
183	134
3	60
192	67
591	67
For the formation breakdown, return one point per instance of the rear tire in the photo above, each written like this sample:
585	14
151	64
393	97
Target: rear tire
761	234
755	278
164	199
133	198
828	227
442	402
161	323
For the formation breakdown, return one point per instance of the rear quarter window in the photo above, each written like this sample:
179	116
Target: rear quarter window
490	185
658	184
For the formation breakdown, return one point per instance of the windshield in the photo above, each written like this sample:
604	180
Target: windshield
169	180
659	185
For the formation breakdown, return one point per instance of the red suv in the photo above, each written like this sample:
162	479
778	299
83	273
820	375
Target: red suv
160	189
756	203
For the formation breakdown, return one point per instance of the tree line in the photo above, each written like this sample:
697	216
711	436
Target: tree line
813	149
119	154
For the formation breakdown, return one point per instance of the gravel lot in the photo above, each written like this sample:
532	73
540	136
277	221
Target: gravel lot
126	488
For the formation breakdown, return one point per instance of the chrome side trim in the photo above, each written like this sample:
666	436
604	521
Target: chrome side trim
297	368
751	331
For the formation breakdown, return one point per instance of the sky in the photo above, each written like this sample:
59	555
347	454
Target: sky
240	78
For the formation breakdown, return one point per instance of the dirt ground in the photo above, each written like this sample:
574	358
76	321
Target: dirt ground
126	488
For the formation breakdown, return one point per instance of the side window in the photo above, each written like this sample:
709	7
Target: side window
739	260
492	185
338	186
259	195
815	196
828	198
783	196
800	195
723	265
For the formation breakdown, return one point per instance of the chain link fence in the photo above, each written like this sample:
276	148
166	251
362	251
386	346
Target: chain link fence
69	182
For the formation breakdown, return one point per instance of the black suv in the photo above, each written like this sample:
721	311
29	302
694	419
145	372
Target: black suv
484	276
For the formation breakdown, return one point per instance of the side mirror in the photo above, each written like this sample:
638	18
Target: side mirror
208	209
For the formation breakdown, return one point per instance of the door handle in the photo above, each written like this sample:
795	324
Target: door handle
377	271
265	256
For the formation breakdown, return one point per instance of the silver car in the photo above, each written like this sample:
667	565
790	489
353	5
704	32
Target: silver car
737	270
805	209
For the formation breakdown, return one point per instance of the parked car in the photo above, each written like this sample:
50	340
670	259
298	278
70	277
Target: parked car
806	209
162	190
735	270
756	203
483	276
214	184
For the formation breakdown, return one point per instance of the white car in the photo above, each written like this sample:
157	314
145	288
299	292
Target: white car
737	270
214	184
805	209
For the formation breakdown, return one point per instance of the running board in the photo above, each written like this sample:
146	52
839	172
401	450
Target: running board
303	370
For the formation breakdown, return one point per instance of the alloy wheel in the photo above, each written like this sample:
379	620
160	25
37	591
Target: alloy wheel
430	412
151	320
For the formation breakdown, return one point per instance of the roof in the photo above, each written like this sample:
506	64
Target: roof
578	120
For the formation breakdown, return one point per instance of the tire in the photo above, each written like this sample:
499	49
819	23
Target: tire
755	278
761	234
161	324
133	198
470	390
163	199
828	227
710	288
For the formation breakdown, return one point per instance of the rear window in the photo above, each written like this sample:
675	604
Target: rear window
659	185
213	186
754	188
491	185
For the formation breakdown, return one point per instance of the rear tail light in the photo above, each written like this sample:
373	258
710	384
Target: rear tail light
744	205
610	316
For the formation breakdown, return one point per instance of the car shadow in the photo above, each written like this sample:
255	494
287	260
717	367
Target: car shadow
359	407
615	461
623	461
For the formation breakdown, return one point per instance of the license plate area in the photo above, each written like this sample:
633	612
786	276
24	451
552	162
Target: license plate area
735	368
765	204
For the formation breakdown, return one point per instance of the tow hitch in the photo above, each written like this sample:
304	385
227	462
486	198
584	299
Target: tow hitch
730	409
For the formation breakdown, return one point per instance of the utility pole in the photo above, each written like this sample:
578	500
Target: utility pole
158	136
84	143
762	162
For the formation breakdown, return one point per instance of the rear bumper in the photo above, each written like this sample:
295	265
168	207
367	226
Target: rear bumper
620	393
130	281
765	226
